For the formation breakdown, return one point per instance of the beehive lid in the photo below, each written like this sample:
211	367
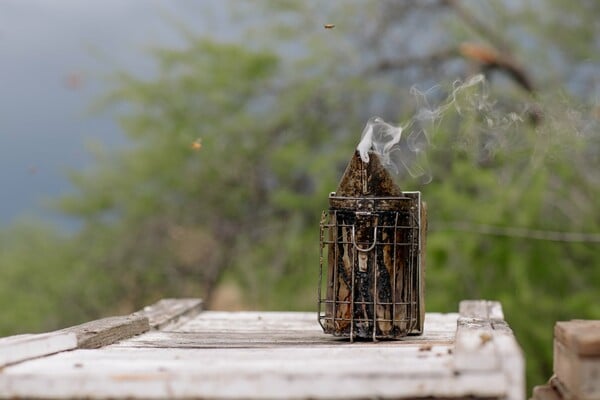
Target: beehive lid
370	179
258	355
580	336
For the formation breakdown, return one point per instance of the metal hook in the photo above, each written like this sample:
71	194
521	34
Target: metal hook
370	247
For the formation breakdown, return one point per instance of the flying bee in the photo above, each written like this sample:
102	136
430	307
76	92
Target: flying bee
197	144
329	26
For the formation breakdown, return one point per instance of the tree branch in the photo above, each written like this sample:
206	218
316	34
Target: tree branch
478	26
406	62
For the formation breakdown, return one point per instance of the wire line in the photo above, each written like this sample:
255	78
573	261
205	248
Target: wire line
537	234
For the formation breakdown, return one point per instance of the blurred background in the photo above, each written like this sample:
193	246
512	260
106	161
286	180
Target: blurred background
154	149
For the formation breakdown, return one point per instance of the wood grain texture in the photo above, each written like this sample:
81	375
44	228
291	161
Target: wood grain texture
170	311
102	332
215	329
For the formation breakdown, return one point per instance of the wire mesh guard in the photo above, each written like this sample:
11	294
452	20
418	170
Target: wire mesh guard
371	286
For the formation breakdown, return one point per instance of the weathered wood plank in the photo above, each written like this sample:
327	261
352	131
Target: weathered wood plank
23	347
102	332
473	309
170	311
484	342
474	347
579	374
495	310
561	390
437	326
580	336
545	392
219	320
241	339
163	385
266	355
348	372
98	333
273	329
483	309
510	356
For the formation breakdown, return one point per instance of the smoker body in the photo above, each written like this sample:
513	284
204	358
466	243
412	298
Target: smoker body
372	270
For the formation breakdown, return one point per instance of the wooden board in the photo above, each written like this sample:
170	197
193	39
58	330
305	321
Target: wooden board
475	349
102	332
545	392
485	342
579	374
260	330
23	347
267	355
170	311
561	390
580	336
160	315
348	372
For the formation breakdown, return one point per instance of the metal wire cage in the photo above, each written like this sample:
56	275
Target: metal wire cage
371	272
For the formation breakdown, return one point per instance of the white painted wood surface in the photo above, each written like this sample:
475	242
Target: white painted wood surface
485	342
23	347
260	355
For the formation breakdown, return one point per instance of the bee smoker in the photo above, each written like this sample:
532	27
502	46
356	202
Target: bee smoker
372	266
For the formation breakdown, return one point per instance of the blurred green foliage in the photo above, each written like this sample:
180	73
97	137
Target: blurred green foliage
233	149
44	281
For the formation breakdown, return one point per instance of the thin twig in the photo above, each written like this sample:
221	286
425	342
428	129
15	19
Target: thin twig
406	62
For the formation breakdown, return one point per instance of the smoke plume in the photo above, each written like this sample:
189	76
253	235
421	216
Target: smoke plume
402	148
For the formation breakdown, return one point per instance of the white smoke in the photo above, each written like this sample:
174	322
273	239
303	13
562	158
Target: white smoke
402	147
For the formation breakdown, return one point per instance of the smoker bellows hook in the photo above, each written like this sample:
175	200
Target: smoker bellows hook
370	247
